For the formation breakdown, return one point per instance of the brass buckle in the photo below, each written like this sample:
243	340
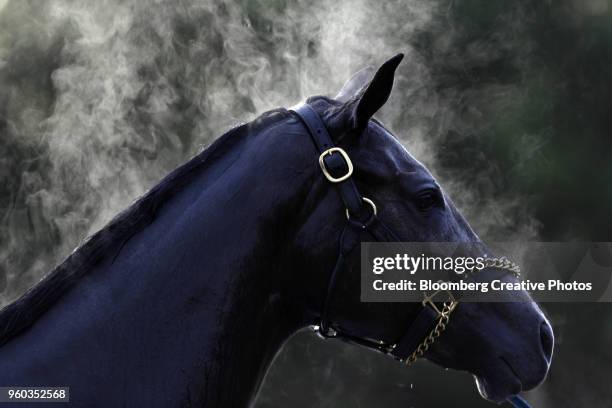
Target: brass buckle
346	158
450	304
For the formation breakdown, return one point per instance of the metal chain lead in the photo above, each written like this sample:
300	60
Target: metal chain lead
434	333
505	264
444	315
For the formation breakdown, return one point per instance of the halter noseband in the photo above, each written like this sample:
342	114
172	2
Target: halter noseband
337	168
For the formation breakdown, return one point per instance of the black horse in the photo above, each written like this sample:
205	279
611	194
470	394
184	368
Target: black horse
185	298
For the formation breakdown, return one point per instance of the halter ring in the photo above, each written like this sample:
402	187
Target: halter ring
347	160
450	304
367	201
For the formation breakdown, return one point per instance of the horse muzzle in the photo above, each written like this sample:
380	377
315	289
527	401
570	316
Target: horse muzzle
521	369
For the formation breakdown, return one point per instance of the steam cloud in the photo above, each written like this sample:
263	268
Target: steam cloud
99	100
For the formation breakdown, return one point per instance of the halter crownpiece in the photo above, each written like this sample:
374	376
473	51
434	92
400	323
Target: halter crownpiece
361	213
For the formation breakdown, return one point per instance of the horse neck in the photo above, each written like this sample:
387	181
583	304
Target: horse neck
197	296
229	287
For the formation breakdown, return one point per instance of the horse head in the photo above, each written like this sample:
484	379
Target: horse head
507	346
203	278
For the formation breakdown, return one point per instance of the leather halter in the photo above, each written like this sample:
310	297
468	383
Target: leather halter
337	168
333	161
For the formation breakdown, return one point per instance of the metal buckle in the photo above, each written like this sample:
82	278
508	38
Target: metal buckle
449	305
346	158
331	333
365	200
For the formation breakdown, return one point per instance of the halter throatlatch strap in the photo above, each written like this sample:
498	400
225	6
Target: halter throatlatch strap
337	168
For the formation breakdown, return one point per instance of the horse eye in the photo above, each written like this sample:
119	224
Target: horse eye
428	199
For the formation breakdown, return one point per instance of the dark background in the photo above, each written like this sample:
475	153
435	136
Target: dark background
506	102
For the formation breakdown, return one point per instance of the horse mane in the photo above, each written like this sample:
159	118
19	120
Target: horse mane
23	312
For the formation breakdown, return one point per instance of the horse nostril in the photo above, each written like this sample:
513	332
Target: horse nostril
548	340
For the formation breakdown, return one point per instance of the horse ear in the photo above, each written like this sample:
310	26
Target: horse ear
370	100
354	84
